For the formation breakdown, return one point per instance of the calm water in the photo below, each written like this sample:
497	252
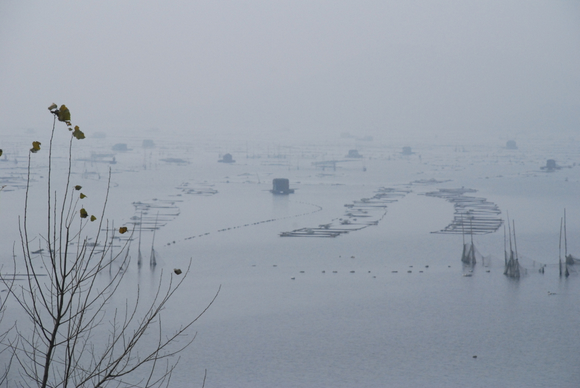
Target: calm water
346	311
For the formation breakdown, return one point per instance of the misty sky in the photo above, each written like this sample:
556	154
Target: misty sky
365	67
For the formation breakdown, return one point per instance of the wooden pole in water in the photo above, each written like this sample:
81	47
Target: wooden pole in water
152	258
510	233
139	256
516	250
504	246
565	236
565	246
560	247
472	249
462	231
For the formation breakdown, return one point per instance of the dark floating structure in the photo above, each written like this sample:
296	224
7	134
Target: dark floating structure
551	166
281	186
407	151
148	143
431	181
511	145
473	214
174	160
353	154
202	189
329	164
120	147
227	158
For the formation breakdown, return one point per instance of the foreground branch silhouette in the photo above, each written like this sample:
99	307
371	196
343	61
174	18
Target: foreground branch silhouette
74	338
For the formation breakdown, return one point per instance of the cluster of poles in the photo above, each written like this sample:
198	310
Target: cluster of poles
569	260
513	269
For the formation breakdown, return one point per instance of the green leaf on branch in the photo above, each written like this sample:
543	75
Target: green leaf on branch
63	114
35	147
83	196
0	152
84	213
78	187
78	133
123	229
93	218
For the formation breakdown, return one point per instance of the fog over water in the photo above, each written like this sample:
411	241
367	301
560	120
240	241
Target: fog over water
290	89
372	67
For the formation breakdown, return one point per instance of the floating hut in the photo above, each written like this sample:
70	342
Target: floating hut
407	151
148	143
227	159
511	145
353	154
551	165
121	147
281	186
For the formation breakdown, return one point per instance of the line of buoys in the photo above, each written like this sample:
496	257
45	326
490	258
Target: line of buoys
257	222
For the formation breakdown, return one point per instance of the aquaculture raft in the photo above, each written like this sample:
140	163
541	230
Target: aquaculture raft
371	210
473	214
